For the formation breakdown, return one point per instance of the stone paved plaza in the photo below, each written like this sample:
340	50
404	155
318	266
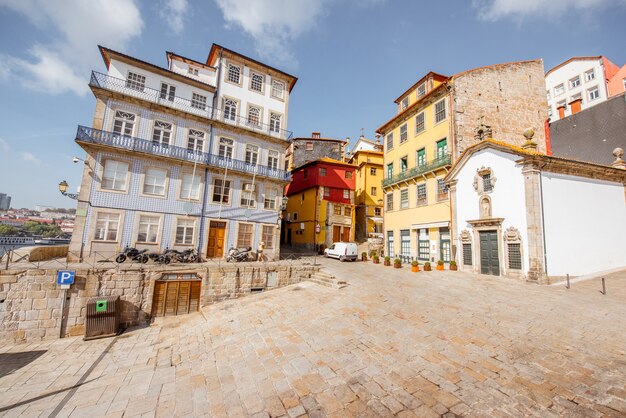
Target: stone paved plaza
391	343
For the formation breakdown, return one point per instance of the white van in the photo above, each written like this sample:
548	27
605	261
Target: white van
342	250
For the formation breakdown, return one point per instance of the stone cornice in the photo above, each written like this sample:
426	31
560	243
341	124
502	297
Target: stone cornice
573	168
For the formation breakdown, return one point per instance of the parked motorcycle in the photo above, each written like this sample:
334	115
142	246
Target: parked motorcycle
160	258
189	255
134	254
238	254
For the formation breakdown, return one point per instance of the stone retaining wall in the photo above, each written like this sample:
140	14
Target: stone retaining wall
31	302
40	252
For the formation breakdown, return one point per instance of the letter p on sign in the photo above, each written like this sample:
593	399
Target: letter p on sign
65	277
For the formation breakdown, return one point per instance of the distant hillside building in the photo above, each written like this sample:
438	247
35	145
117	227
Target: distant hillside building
5	201
580	83
304	150
593	134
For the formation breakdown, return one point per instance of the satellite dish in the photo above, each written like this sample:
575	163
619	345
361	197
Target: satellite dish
188	208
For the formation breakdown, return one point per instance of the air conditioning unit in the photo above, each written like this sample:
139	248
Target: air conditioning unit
249	187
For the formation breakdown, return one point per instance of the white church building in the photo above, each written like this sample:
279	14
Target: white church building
525	215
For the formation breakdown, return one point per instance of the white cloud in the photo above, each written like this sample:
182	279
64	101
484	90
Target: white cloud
28	157
498	9
4	145
272	23
74	28
174	13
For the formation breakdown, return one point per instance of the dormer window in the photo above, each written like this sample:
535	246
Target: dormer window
404	104
192	71
421	90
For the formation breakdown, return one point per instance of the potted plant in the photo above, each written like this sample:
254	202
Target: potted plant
415	266
397	263
440	265
427	266
453	265
363	256
387	261
375	259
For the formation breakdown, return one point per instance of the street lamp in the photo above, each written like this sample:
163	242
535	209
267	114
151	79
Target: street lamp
63	186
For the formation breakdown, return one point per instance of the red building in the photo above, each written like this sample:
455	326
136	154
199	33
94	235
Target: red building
320	209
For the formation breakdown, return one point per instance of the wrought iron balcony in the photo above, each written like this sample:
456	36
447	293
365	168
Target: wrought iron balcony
418	171
195	107
131	143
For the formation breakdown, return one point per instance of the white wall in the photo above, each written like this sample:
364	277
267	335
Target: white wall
204	75
120	70
508	197
569	71
585	224
245	95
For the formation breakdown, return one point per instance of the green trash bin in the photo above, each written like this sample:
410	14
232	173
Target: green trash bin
103	317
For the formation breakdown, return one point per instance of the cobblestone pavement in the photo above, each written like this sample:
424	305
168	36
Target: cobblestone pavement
391	343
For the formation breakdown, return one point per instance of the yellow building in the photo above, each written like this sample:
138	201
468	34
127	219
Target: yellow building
367	156
416	159
437	118
320	206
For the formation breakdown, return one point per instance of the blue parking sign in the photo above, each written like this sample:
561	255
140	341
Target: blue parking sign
65	277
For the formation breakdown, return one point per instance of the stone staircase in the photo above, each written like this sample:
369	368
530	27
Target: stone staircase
327	280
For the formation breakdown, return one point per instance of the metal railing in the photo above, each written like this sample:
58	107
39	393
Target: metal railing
125	142
418	171
132	88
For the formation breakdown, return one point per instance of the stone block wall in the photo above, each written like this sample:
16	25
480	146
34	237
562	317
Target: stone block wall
321	149
31	302
508	97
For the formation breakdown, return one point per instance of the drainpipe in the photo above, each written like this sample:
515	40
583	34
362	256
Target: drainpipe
206	170
543	223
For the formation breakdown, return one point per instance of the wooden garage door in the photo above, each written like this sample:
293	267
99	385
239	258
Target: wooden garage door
176	297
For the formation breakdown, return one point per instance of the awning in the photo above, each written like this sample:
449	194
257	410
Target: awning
376	219
430	225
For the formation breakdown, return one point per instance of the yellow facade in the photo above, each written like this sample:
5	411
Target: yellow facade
369	195
306	210
416	159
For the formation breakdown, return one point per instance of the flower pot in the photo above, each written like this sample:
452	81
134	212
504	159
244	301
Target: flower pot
387	263
376	261
415	269
454	268
439	267
396	266
428	268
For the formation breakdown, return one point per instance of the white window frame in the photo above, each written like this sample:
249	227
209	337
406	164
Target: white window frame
439	111
226	148
346	194
167	92
118	179
162	133
594	91
255	82
574	82
590	75
223	193
273	158
231	74
404	103
245	244
278	89
421	90
126	121
195	140
184	224
268	235
559	90
136	81
230	109
151	228
248	197
198	101
420	123
269	199
422	194
389	141
252	154
275	122
189	181
404	133
255	115
151	180
404	198
103	224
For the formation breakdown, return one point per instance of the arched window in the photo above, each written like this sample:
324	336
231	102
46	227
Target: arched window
230	109
254	116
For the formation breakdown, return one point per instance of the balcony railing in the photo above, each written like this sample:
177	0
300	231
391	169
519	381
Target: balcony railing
195	107
418	171
131	143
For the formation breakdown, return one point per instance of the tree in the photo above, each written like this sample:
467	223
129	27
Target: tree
9	230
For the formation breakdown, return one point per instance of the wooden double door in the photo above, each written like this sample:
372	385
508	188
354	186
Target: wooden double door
176	297
489	254
341	233
215	245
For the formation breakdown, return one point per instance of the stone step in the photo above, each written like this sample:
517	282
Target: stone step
327	280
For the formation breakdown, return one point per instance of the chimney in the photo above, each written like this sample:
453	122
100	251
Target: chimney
575	105
561	110
315	135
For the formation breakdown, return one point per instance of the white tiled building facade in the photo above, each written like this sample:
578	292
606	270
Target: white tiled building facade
577	78
188	156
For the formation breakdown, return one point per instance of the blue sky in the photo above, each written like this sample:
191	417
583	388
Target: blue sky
352	58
